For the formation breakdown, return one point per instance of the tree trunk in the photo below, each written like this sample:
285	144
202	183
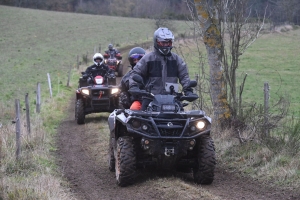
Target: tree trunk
210	24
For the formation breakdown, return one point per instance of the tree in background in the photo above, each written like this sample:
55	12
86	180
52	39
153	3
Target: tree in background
227	31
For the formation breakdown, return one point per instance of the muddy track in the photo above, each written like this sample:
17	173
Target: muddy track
82	158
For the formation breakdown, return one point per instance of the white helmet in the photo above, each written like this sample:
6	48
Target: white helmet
163	35
98	56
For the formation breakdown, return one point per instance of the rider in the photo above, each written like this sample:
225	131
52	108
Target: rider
126	99
98	68
112	52
161	66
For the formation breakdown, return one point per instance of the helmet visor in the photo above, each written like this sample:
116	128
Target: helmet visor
164	43
98	58
136	56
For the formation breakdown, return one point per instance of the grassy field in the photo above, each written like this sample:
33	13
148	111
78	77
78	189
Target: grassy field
273	58
35	43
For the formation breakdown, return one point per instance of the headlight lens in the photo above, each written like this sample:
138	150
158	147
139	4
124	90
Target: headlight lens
201	125
114	90
85	91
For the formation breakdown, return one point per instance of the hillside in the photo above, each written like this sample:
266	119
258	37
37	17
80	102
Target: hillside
36	42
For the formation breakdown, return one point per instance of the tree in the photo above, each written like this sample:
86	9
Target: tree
226	27
211	28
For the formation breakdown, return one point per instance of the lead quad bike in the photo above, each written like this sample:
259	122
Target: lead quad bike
95	94
115	63
164	136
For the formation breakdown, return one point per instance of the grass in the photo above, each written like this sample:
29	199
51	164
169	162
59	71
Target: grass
35	43
273	58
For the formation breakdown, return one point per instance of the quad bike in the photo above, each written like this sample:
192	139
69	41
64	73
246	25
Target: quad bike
114	63
164	136
95	94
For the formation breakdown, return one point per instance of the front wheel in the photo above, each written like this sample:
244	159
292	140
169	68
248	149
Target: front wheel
203	172
79	111
125	161
111	157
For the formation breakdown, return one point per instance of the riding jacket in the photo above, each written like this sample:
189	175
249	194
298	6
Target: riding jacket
157	70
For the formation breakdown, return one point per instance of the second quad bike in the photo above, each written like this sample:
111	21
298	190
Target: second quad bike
95	94
164	136
114	63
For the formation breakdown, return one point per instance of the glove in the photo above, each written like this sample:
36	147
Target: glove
190	94
188	91
84	76
134	89
125	100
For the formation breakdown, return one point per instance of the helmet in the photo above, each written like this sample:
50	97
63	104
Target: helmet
163	40
99	56
135	53
110	46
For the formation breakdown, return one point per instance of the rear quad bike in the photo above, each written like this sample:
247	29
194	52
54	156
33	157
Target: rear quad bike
101	95
114	63
164	136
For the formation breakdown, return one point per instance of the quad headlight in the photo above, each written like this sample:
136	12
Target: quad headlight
201	125
198	126
85	91
114	90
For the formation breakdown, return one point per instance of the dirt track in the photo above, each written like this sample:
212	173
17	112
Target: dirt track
82	157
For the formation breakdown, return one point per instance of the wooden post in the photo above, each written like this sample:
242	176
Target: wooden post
18	129
49	83
77	60
38	98
27	114
69	76
266	108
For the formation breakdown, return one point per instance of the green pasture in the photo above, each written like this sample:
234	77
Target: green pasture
272	58
35	42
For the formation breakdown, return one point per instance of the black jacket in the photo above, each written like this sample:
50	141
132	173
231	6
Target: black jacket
158	70
95	70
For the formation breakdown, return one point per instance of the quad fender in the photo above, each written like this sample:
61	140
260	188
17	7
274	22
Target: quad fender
115	117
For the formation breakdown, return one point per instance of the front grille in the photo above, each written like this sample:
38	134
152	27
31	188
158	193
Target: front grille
176	132
100	93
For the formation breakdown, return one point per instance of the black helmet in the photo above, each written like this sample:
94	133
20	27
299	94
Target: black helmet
135	53
110	46
163	40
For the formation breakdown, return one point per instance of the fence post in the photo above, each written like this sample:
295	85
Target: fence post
49	83
77	60
266	108
18	129
27	114
69	76
38	98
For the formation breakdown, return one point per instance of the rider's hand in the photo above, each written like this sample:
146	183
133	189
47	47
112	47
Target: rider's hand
190	94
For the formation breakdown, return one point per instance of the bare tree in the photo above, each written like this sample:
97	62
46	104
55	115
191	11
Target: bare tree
227	31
